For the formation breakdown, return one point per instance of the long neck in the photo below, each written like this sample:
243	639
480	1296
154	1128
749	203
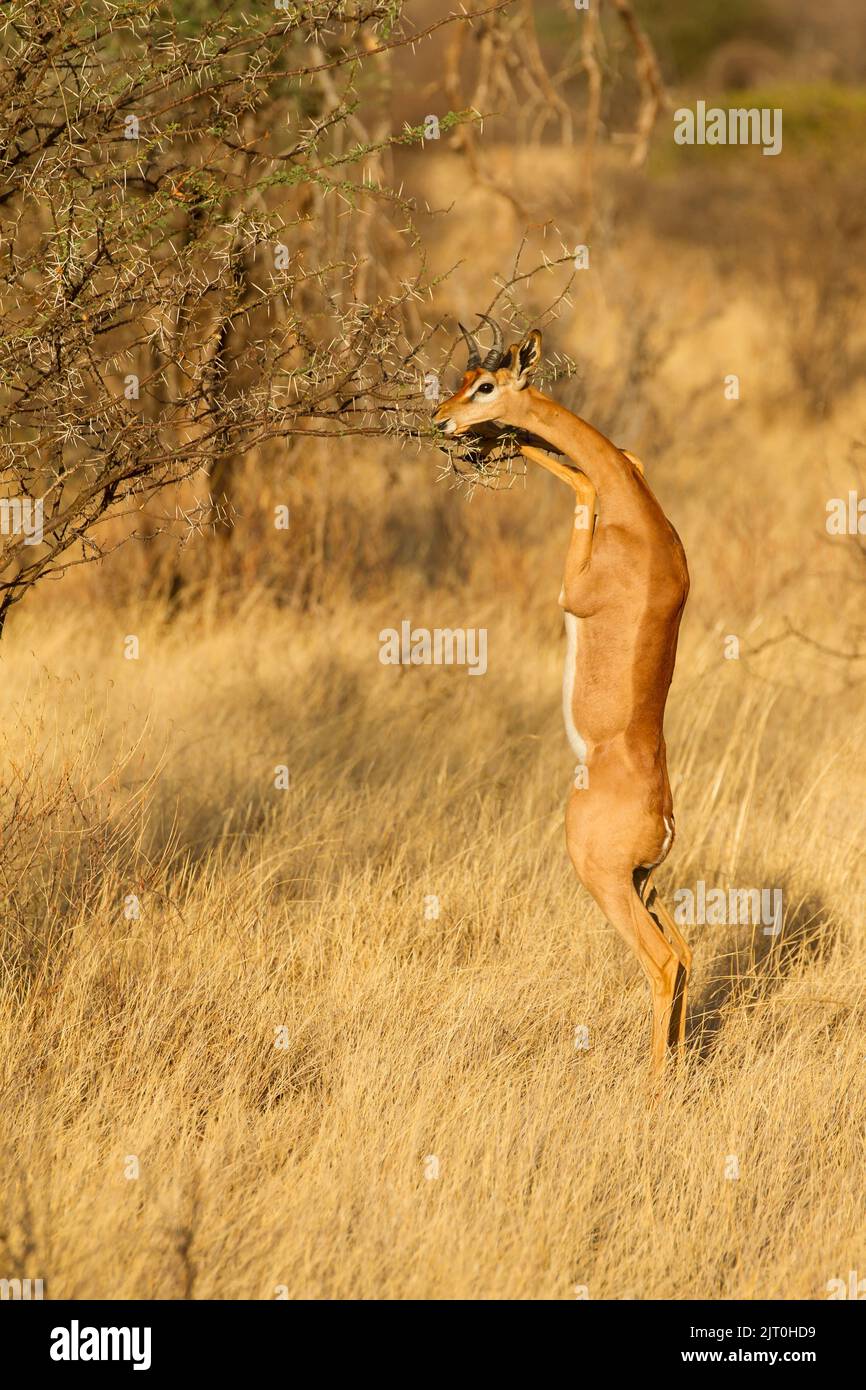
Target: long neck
610	473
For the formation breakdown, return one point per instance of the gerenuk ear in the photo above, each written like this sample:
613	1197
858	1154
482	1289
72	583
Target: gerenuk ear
525	357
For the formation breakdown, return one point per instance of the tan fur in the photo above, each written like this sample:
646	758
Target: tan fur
634	459
627	582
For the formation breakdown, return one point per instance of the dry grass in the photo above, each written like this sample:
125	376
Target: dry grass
411	1036
304	1166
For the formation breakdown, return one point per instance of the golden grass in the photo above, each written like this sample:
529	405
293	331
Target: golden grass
408	1036
303	1167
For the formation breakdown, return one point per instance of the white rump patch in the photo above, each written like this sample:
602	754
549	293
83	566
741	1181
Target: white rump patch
669	827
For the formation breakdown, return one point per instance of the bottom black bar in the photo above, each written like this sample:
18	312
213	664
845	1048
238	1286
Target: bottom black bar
84	1339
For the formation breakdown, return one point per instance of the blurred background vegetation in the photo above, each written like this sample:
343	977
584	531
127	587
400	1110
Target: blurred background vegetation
304	389
554	129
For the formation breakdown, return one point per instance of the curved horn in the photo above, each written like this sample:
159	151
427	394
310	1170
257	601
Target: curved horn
494	356
474	358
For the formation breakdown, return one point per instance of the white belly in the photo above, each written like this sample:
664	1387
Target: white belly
578	746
